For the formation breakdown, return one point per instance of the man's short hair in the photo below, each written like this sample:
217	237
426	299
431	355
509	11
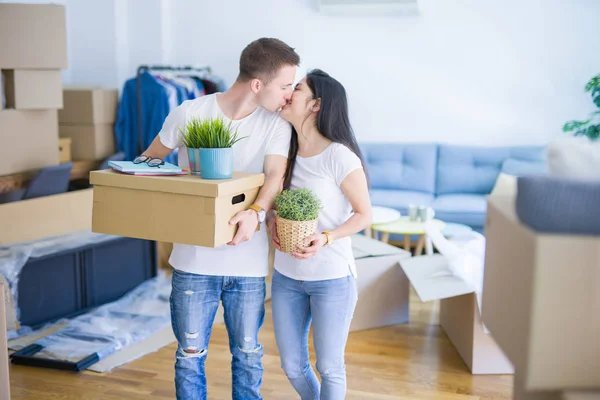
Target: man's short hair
264	57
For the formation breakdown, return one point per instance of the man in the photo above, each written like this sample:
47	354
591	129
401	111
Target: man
234	274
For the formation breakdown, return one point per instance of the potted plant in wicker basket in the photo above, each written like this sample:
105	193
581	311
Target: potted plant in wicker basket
209	143
297	217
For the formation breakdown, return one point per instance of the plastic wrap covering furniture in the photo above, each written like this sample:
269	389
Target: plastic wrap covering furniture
93	336
14	257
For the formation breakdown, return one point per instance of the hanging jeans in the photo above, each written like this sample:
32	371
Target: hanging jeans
194	302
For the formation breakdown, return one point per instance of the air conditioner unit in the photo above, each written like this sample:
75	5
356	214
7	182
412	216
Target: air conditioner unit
368	7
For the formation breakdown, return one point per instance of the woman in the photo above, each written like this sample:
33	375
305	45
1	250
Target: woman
317	282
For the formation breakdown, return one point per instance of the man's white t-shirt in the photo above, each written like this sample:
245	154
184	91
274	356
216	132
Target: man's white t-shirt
324	174
266	134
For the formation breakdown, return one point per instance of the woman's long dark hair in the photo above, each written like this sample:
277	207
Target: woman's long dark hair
332	118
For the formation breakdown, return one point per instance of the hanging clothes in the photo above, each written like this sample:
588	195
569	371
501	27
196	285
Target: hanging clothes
155	108
163	88
209	86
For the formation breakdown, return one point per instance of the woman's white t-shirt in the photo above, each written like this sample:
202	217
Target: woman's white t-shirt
323	174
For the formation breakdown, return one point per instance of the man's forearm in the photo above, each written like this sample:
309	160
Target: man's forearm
267	193
157	149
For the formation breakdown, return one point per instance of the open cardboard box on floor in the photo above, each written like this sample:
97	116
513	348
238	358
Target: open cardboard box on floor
383	289
541	301
174	209
459	313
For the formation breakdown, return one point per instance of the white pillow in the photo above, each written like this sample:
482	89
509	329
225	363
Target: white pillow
575	158
506	185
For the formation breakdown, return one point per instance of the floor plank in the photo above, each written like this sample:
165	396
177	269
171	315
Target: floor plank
411	361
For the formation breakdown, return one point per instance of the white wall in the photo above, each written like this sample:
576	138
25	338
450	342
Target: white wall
464	71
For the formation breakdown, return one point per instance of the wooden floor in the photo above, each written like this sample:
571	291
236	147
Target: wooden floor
411	361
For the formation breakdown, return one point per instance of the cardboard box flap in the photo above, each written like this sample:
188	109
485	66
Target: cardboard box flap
507	205
187	184
364	247
432	279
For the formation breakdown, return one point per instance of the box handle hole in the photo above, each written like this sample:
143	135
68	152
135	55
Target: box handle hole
240	198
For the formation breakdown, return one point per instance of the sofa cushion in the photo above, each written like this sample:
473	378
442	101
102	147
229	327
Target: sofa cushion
401	166
559	205
516	167
468	209
474	169
399	199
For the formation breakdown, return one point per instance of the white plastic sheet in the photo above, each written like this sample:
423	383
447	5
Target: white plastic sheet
109	328
465	254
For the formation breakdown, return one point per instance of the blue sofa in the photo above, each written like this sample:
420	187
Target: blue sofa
454	180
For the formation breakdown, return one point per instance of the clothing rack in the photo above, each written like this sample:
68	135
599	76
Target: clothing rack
158	68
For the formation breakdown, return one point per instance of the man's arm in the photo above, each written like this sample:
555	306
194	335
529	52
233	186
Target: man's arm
157	149
274	173
168	138
275	166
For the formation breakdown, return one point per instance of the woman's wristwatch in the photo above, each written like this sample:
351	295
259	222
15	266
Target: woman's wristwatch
329	238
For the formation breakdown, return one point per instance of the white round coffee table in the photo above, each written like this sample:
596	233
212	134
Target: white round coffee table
404	226
382	215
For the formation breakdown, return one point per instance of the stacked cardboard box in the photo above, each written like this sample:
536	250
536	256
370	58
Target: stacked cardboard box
33	45
541	302
88	119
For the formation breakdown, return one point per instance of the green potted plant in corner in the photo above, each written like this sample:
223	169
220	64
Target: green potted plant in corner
590	127
297	217
209	143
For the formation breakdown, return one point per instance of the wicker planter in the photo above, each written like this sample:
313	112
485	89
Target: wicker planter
292	233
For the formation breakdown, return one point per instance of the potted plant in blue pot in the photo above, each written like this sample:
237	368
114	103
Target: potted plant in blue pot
209	143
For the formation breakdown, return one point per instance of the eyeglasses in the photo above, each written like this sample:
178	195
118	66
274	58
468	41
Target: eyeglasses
152	162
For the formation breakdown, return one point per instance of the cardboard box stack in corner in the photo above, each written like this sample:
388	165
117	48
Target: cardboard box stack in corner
88	119
33	49
549	325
